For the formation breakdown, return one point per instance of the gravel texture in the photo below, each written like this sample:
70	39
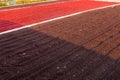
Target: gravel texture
81	47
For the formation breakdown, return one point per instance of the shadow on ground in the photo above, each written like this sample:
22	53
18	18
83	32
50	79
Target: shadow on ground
30	55
8	25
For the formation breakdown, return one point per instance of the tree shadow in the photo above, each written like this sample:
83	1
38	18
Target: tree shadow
30	55
8	25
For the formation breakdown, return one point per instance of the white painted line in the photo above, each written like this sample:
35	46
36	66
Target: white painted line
109	0
16	29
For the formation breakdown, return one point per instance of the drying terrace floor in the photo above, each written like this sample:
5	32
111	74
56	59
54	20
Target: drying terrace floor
30	14
80	47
